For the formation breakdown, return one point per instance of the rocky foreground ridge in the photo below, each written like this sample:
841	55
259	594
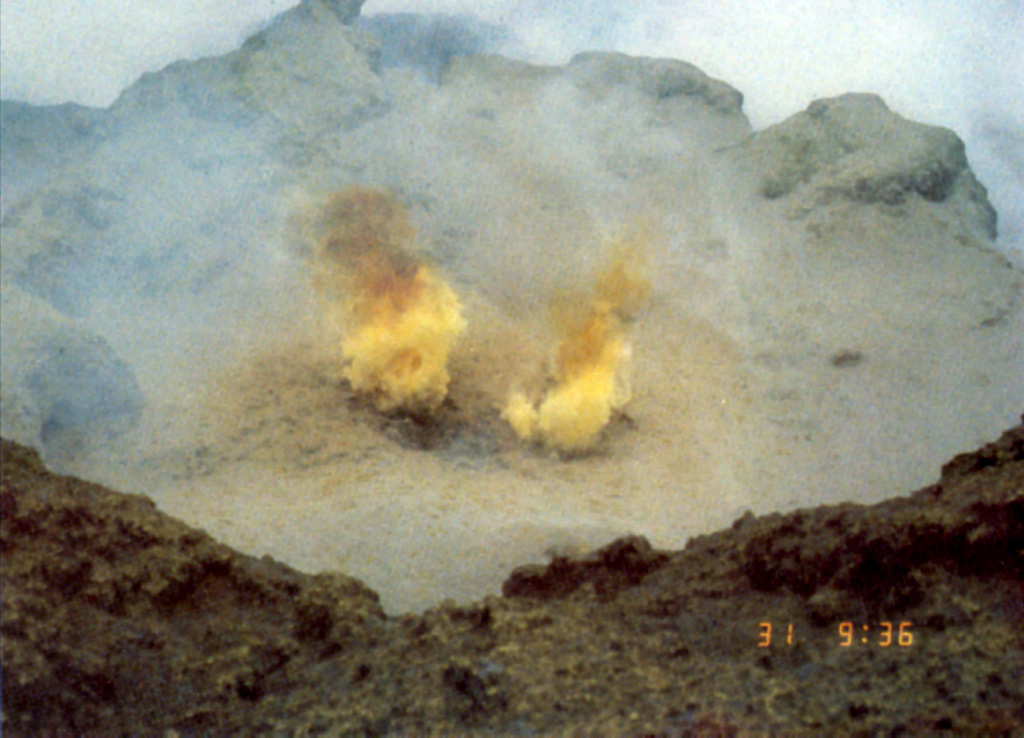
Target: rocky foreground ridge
120	619
830	319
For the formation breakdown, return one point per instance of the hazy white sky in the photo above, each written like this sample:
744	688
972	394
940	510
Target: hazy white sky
930	58
957	63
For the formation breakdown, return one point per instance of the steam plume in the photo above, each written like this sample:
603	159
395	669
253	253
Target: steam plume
400	319
589	374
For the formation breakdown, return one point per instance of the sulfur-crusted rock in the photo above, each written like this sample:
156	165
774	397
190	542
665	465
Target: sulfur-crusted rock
853	147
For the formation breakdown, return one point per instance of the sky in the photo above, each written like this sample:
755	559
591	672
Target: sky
955	63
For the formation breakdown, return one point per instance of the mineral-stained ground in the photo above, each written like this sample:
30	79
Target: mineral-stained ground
118	619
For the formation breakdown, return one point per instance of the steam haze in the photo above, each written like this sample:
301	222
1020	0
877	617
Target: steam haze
956	64
186	315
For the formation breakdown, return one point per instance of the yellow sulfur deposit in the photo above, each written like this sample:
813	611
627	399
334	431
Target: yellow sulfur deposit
398	349
400	318
590	364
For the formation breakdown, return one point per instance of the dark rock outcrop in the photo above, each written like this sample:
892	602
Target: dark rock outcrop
68	385
116	617
902	617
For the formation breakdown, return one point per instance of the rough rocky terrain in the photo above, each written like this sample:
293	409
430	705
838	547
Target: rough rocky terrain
118	619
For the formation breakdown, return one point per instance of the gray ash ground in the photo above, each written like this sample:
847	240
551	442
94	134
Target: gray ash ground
118	619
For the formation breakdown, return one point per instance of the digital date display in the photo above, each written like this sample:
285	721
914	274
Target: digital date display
884	634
